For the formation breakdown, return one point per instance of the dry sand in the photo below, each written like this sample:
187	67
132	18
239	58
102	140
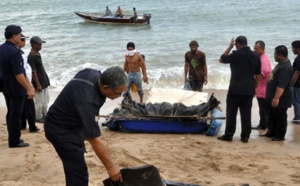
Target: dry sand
197	159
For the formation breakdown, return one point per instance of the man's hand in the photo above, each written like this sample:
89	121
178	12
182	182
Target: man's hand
39	88
30	93
114	174
275	102
186	80
205	81
145	79
232	42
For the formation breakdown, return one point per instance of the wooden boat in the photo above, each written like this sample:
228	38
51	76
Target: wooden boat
125	19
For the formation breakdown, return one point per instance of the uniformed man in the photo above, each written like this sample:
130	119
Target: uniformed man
15	84
73	118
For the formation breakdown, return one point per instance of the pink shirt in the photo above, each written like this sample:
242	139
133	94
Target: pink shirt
266	70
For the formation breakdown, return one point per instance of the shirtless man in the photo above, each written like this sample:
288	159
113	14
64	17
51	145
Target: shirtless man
119	12
134	15
133	62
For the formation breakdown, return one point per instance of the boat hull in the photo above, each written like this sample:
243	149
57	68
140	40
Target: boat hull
126	19
168	125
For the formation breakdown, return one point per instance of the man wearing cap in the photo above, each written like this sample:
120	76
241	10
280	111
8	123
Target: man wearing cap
40	79
29	110
195	69
15	84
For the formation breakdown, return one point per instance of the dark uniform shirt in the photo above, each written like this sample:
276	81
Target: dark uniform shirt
296	67
196	63
73	117
244	64
11	64
280	77
36	64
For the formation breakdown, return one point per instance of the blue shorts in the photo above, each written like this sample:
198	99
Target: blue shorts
136	78
196	85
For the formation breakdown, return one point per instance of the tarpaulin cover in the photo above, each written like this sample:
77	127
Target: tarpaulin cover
132	108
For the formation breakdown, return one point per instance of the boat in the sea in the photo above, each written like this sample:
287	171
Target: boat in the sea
125	19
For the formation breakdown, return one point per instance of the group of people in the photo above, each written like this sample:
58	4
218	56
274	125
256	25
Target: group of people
73	117
119	13
24	83
251	74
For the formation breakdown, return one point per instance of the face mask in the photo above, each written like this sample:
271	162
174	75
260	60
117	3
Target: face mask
131	52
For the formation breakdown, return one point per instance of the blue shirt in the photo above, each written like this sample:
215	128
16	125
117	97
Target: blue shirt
11	65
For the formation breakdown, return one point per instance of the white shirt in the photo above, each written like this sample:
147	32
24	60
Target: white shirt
27	68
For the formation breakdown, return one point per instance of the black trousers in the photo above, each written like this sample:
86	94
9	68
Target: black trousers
244	104
15	107
262	104
72	157
277	124
28	114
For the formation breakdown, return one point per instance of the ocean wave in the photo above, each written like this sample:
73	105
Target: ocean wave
158	77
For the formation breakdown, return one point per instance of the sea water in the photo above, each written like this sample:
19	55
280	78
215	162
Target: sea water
73	44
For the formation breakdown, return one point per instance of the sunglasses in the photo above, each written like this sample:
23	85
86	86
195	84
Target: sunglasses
23	39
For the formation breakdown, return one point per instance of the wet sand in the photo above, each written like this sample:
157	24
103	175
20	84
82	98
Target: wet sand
197	159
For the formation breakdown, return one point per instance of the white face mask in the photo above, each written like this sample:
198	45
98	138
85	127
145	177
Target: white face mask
131	52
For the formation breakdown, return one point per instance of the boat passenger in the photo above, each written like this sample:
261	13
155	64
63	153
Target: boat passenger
119	12
134	15
108	12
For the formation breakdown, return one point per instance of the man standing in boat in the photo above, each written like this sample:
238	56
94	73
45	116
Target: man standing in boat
134	15
195	64
133	62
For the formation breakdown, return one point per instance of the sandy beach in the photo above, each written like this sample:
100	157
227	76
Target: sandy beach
187	158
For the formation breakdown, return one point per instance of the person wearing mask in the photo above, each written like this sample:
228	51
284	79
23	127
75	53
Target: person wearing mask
133	65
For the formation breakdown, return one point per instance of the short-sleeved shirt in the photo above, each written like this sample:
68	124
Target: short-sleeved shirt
36	64
196	64
266	70
11	65
73	117
281	77
244	64
296	67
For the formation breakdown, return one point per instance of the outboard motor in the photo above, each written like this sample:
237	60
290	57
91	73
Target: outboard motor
147	17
